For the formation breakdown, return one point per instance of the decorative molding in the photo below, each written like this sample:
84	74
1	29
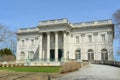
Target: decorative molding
95	33
26	38
36	38
56	32
109	32
48	33
83	34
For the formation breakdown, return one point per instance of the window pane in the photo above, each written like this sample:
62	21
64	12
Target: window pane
103	37
89	38
32	42
77	39
22	42
22	56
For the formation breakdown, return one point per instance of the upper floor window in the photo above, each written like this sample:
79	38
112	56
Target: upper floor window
23	42
89	38
77	39
103	37
32	41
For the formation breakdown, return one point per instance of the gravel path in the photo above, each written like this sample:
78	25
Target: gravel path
94	72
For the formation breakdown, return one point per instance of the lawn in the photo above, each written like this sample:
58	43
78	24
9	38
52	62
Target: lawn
33	69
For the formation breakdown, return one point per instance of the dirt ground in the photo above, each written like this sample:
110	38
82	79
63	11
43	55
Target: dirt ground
9	75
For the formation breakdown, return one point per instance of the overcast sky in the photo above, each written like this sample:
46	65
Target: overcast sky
17	14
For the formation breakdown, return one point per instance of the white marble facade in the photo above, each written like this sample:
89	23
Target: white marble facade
56	40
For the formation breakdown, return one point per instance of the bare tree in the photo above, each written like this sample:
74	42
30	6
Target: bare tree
7	38
116	18
3	33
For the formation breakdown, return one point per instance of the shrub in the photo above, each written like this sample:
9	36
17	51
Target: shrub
70	66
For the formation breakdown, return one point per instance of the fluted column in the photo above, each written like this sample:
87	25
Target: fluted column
48	46
40	46
64	46
56	46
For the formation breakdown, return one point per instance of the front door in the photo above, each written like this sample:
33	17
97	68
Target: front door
52	55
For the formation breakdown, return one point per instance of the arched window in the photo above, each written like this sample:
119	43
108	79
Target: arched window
90	54
78	54
22	56
104	54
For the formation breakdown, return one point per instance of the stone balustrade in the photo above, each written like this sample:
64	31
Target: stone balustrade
111	63
92	23
56	21
32	29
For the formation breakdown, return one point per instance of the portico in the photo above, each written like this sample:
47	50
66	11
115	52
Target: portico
52	46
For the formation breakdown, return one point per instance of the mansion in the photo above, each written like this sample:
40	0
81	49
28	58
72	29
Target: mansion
59	40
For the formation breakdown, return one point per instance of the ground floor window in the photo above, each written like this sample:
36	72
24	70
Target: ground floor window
78	54
22	56
90	54
104	54
30	55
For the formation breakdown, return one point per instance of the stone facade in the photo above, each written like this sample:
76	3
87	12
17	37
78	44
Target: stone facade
56	40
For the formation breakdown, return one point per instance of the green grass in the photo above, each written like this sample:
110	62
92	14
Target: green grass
33	69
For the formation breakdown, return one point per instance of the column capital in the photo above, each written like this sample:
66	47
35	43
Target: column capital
48	32
40	33
95	33
64	31
56	32
83	34
26	38
109	32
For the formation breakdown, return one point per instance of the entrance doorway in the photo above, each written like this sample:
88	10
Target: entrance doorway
52	55
60	54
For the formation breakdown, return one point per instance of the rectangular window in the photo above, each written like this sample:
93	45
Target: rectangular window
103	37
89	38
23	42
77	39
22	56
32	41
